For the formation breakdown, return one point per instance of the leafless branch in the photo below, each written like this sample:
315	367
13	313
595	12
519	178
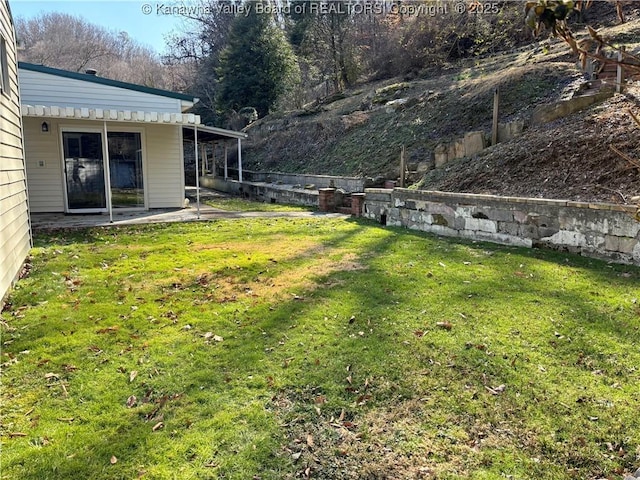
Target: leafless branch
623	155
635	119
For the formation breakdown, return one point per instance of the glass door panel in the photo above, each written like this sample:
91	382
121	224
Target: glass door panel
84	171
125	166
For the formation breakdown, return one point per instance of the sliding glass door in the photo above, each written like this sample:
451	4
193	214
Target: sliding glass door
85	171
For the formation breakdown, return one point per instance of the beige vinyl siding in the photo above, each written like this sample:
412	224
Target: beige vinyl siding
165	166
44	166
40	88
162	157
15	234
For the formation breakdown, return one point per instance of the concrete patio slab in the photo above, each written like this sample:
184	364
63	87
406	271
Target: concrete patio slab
52	221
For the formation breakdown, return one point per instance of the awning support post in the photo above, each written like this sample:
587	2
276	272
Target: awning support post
213	158
107	170
240	160
195	148
226	165
203	156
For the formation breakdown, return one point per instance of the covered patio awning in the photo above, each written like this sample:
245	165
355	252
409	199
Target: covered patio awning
209	134
111	115
205	134
192	129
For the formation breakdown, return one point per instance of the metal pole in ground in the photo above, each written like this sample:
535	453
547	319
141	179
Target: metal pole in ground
107	169
195	148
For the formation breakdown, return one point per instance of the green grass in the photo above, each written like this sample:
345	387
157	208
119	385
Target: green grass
316	348
237	204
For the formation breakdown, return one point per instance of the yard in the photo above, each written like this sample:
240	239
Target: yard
316	348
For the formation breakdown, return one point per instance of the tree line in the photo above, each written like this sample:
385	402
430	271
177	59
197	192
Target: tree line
245	59
280	54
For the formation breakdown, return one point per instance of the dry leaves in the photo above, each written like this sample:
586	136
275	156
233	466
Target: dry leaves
496	390
445	325
209	336
112	329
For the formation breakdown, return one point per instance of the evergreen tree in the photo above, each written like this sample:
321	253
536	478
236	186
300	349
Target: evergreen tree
258	65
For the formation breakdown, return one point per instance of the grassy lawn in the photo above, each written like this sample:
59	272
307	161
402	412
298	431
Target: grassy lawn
316	348
237	204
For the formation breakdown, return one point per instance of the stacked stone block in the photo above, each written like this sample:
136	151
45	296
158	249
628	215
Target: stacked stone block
607	231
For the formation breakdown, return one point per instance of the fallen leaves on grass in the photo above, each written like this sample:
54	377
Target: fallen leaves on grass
287	361
496	390
112	329
209	336
445	325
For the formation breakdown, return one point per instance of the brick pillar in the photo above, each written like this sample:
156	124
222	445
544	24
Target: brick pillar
357	201
326	201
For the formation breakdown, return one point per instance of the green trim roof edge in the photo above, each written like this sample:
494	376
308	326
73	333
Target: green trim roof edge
105	81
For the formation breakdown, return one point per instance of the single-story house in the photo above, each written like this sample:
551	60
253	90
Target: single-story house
15	231
96	145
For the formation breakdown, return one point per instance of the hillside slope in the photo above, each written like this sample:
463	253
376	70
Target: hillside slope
568	159
362	133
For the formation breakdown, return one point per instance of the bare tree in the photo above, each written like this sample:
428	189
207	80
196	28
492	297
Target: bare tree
194	57
71	43
63	41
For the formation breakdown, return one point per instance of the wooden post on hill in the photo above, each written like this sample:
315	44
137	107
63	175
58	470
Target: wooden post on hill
496	105
619	71
403	167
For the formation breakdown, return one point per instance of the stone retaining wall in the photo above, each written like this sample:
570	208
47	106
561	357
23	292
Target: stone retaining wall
606	231
474	142
348	184
552	111
285	194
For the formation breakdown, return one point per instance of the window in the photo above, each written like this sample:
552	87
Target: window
4	67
